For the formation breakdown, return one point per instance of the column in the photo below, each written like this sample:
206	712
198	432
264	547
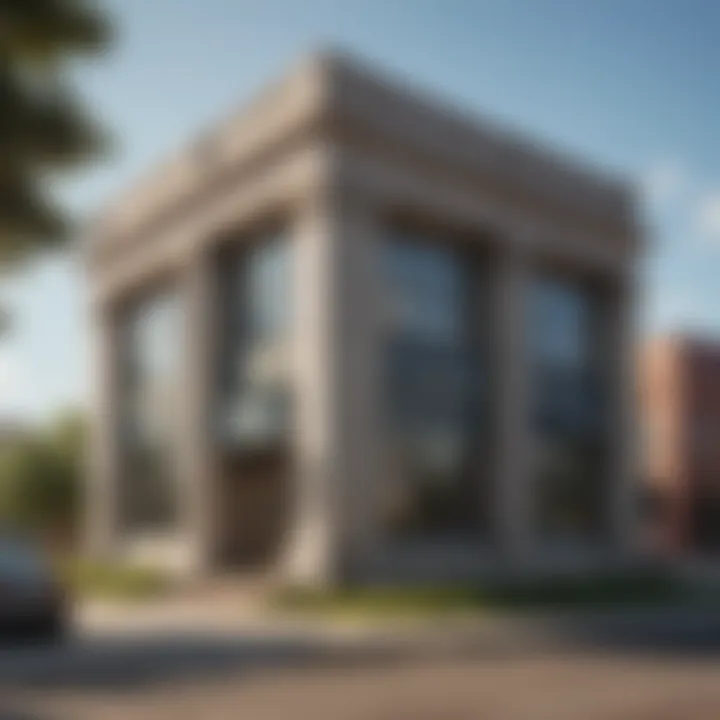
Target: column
103	469
623	471
513	471
200	502
360	391
309	557
336	433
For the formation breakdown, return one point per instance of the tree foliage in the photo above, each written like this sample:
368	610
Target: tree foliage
44	126
41	478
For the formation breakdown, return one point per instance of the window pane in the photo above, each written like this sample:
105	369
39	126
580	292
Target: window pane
151	411
569	411
255	388
432	381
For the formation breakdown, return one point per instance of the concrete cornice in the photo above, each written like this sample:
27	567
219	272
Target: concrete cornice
332	94
279	112
403	114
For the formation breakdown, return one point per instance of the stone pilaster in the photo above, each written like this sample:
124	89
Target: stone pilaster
336	387
102	501
361	292
198	451
623	425
513	470
309	556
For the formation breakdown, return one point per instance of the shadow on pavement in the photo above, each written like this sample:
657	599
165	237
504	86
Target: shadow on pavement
11	714
140	660
681	632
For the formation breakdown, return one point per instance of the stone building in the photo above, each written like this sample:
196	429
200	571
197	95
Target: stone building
352	334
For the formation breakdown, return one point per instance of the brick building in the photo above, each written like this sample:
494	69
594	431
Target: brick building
680	393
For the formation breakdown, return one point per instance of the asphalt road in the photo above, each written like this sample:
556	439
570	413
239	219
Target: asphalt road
635	665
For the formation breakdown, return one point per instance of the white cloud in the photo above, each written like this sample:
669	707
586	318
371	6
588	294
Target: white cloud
694	207
662	183
707	217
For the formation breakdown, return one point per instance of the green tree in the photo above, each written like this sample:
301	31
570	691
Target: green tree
44	127
41	478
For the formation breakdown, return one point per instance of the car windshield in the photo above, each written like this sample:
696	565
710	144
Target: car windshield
20	563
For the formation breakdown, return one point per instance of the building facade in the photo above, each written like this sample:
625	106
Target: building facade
680	392
354	335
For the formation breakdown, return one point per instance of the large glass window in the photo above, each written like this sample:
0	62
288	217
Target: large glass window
432	389
151	412
257	282
569	409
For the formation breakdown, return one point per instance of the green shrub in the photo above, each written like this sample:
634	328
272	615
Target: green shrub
598	591
41	478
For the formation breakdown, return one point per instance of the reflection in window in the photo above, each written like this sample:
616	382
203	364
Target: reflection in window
569	412
257	282
432	390
151	413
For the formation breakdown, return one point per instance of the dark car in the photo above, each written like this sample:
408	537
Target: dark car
33	604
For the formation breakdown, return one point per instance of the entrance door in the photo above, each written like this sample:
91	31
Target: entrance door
255	502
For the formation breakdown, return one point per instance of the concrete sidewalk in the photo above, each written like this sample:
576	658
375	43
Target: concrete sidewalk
692	629
179	658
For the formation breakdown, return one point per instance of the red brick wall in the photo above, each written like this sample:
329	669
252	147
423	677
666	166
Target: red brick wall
680	399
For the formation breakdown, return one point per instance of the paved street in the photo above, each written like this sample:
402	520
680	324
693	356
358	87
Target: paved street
661	671
577	686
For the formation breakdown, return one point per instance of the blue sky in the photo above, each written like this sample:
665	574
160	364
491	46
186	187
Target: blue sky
633	85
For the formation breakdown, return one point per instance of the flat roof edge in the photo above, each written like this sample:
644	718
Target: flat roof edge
334	82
